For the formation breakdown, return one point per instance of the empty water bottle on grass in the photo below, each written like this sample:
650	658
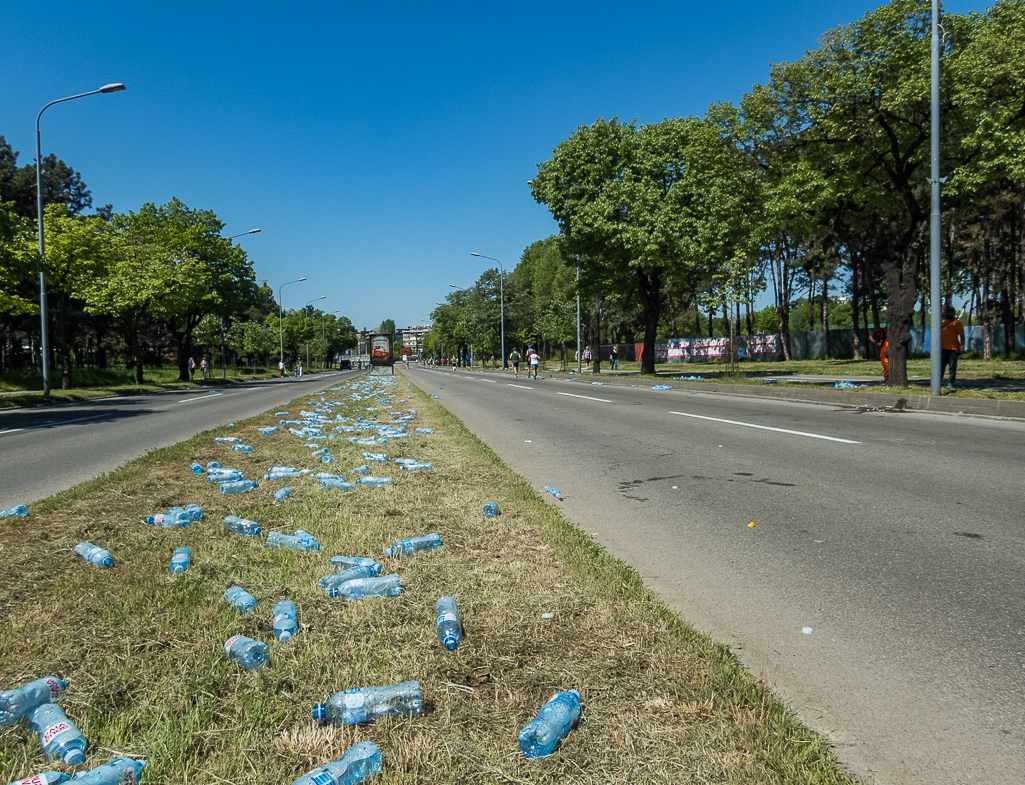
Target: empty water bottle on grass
226	440
17	511
539	737
282	493
242	526
298	540
213	465
58	736
490	510
367	704
241	448
251	655
554	492
122	771
427	542
340	563
335	579
358	588
17	703
285	625
335	484
375	482
93	554
196	468
358	764
447	626
219	475
46	778
242	486
240	599
180	560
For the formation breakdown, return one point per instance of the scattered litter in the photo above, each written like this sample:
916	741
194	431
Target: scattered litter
597	384
246	652
358	764
770	381
366	704
844	384
93	554
298	540
674	487
751	525
240	599
528	441
662	387
539	737
17	511
180	560
242	526
554	492
447	626
427	542
490	510
547	615
807	630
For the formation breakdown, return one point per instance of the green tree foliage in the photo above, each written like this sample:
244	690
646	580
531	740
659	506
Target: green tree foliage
17	261
387	327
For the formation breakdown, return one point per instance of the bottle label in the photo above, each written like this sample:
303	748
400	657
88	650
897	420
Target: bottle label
230	642
55	688
447	616
354	699
52	731
321	778
36	780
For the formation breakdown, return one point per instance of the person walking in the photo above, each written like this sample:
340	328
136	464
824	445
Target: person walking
514	358
587	355
534	360
192	369
281	368
203	366
614	357
952	344
878	337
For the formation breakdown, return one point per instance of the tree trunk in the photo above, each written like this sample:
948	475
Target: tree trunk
650	290
63	349
825	313
596	334
855	299
901	292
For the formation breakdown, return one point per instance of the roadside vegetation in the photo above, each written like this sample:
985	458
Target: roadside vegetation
143	650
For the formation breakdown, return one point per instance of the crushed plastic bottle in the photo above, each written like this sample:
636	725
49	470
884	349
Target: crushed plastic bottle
58	736
227	440
240	599
375	482
268	430
242	486
17	511
46	778
285	625
367	704
219	475
122	771
447	625
364	469
416	466
321	452
490	510
423	430
213	465
340	563
332	581
180	560
358	588
93	554
242	526
298	540
17	703
328	459
196	468
335	484
378	457
251	655
358	764
539	736
282	493
554	492
241	448
427	542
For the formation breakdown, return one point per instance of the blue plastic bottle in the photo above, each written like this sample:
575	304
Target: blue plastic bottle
242	600
539	736
93	554
332	581
122	771
251	655
17	703
282	493
358	588
17	511
223	475
490	510
335	484
242	486
285	624
242	526
375	482
180	560
241	448
427	542
367	704
447	626
358	764
340	563
299	540
46	778
58	736
196	468
554	492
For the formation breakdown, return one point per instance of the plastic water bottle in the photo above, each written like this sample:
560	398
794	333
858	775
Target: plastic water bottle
226	440
241	448
358	764
335	579
243	601
345	562
180	560
58	735
379	457
213	465
539	737
367	704
122	771
299	540
17	703
175	517
46	778
447	626
196	468
251	655
219	475
285	625
320	453
242	486
375	482
335	484
357	589
282	493
416	466
93	554
554	492
490	510
242	526
364	469
427	542
424	430
17	511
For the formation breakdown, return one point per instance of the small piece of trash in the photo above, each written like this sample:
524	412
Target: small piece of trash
594	534
818	541
720	445
751	525
807	630
528	441
674	487
552	616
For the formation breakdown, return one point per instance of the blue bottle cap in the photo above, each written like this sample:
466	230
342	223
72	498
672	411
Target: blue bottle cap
319	711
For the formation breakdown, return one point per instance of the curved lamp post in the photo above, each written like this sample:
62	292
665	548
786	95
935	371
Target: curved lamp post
44	335
281	331
501	295
322	297
224	370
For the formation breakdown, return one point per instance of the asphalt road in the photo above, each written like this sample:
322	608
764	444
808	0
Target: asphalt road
880	591
44	451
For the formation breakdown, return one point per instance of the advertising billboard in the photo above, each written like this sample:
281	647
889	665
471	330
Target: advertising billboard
380	349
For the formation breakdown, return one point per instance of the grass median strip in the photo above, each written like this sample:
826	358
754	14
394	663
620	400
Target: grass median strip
142	649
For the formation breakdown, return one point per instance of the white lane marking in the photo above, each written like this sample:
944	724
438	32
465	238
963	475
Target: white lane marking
586	397
489	381
205	397
520	386
52	424
767	428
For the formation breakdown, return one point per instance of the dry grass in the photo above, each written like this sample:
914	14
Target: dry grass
142	649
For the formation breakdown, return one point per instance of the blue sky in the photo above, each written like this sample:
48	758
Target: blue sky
376	147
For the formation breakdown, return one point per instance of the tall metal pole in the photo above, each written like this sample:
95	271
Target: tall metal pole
935	297
281	330
578	319
224	370
501	296
44	333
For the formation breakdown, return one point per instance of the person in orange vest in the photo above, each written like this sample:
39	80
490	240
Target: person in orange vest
878	337
952	344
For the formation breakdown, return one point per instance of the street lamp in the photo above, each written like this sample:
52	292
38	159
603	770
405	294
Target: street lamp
322	297
281	332
224	371
501	294
44	335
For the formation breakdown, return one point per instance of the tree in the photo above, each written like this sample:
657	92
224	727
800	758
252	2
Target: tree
387	327
251	339
60	184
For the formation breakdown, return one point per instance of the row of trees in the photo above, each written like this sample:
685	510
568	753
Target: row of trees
818	177
137	286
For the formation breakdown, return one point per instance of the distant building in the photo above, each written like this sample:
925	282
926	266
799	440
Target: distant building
412	337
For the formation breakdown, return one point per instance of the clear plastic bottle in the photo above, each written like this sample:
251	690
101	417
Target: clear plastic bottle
196	468
58	735
46	778
427	542
242	486
416	466
321	452
358	588
241	448
285	624
226	440
424	430
243	601
336	579
554	492
299	541
242	526
282	493
539	736
93	554
367	704
335	484
340	563
180	560
379	457
447	625
175	517
358	764
251	655
375	482
122	771
17	703
364	469
213	465
214	476
194	512
490	510
17	511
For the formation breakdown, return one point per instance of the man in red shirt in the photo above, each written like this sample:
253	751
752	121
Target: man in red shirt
878	337
951	344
